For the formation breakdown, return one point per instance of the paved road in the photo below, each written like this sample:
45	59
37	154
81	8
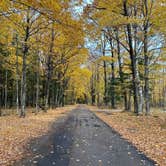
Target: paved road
84	140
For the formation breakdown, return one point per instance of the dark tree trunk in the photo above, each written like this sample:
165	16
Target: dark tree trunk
48	83
0	103
93	96
37	83
17	76
103	47
129	101
98	81
146	60
121	71
105	83
112	75
6	88
56	94
49	68
135	78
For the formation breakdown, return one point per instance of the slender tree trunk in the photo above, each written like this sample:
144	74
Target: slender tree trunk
17	76
63	99
105	82
0	93
6	88
98	81
93	96
23	86
56	95
103	46
48	84
140	90
129	101
24	65
112	75
121	71
58	90
49	67
0	104
164	98
37	84
60	95
52	94
125	100
146	61
64	85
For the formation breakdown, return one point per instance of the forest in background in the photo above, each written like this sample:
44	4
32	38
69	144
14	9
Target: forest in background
103	52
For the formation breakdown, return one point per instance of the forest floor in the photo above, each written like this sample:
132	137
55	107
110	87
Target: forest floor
16	133
147	133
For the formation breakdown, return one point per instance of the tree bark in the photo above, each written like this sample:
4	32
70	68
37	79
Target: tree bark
24	66
37	83
146	60
93	96
17	76
49	68
112	75
6	88
105	82
98	81
121	70
135	78
129	101
0	104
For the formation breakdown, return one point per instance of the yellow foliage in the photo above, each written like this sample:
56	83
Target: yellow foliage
79	81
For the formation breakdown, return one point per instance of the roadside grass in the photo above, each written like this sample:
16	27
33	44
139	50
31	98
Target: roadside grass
147	133
15	132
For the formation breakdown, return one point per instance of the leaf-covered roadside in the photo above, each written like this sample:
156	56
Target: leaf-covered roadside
148	134
15	133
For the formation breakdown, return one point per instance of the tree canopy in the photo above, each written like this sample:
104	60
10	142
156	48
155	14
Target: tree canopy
104	52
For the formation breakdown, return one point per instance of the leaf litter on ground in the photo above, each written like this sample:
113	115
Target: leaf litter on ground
15	132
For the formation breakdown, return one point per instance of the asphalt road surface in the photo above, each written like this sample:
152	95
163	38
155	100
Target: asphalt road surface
82	139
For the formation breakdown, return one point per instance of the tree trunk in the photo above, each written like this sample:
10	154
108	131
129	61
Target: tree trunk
0	98
129	101
6	88
134	67
164	97
105	82
17	76
112	75
121	71
23	85
98	82
48	83
23	80
146	61
103	46
0	107
56	95
37	84
93	96
49	67
64	85
125	100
